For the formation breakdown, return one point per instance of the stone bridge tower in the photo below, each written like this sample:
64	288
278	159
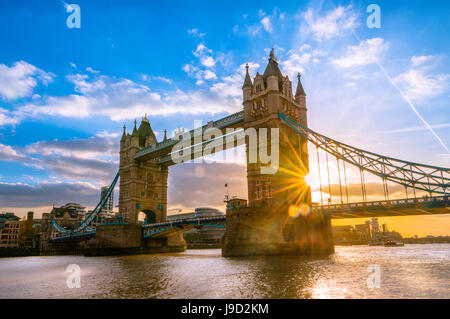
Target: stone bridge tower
269	94
278	218
143	184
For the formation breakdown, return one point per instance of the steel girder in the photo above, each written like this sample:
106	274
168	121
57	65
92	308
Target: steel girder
84	225
428	178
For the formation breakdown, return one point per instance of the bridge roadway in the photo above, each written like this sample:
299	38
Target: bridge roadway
164	148
432	205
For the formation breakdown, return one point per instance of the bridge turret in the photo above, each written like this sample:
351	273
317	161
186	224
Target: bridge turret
272	75
300	100
124	135
300	95
134	141
248	85
145	132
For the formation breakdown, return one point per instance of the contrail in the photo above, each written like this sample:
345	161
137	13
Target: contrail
407	100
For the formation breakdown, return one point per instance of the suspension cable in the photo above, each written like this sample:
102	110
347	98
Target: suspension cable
363	186
329	184
339	174
346	185
320	179
385	189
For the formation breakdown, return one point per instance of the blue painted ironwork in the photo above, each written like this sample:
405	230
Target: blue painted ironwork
428	178
150	230
167	145
84	225
398	207
67	236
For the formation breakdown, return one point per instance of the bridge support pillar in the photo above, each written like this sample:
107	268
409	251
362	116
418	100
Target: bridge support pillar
262	231
172	243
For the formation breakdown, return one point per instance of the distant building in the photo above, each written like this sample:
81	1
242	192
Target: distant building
364	229
236	203
206	211
109	205
69	210
67	216
205	234
180	216
375	226
9	230
29	232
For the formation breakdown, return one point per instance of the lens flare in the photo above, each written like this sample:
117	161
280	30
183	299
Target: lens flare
301	210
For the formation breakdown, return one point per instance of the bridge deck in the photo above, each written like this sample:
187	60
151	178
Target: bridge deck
165	147
400	207
386	208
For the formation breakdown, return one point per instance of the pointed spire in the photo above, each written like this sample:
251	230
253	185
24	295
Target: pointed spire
248	80
124	133
135	132
272	55
299	92
272	67
165	135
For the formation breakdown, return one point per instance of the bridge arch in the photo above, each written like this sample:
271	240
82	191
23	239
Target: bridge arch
147	216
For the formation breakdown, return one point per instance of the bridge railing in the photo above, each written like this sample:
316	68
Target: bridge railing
169	143
390	203
187	220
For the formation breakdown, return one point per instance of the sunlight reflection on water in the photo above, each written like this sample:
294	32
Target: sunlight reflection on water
412	271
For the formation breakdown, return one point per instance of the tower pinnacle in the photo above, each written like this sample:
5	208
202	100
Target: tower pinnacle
134	129
248	80
299	92
272	56
124	133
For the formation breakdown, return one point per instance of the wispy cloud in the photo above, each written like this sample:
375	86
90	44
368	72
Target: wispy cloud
366	52
407	100
20	79
330	25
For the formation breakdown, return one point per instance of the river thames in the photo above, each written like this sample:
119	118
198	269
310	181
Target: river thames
412	271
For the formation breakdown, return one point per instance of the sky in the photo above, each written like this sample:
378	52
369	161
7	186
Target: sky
66	93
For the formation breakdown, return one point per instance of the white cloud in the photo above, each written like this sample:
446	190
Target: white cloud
7	153
121	99
6	118
207	61
332	24
231	86
419	60
366	52
20	79
267	24
418	85
201	50
146	77
194	32
298	60
209	75
91	70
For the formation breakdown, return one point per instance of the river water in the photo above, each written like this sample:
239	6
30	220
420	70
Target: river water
412	271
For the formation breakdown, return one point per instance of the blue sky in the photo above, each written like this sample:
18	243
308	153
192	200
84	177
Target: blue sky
66	93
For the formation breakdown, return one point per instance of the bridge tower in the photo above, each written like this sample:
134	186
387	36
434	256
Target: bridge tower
143	184
277	219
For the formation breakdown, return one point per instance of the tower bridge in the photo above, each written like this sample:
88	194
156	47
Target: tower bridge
280	217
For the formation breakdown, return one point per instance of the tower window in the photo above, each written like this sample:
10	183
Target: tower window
258	88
